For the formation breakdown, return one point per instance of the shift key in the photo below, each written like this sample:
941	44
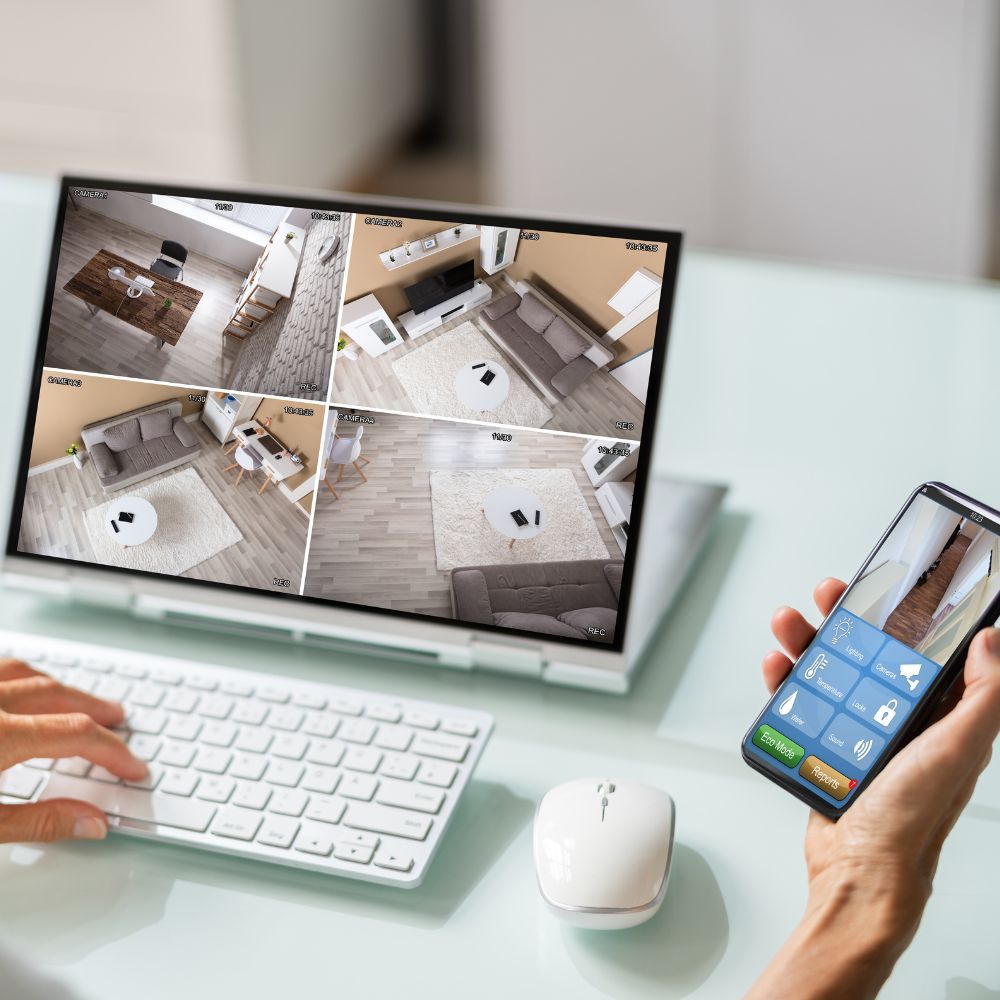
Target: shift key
132	803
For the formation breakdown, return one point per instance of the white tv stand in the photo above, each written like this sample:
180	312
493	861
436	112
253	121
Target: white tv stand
417	324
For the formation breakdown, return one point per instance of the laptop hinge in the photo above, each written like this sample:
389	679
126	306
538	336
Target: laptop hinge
524	660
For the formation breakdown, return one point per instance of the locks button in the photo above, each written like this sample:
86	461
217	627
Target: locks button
881	707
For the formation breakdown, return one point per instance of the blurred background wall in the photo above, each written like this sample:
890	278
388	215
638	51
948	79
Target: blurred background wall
856	133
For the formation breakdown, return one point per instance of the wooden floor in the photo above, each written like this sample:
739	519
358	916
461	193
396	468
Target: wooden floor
912	617
103	344
376	544
593	408
274	531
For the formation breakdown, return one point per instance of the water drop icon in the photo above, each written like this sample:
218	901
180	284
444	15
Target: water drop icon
786	706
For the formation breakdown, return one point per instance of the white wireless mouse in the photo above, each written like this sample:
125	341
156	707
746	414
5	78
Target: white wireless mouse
603	851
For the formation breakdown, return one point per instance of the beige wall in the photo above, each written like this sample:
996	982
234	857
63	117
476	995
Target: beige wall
297	433
581	273
366	273
63	410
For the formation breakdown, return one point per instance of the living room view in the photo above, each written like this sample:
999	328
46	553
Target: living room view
180	481
499	325
522	529
197	292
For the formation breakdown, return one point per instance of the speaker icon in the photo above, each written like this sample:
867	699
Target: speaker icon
862	748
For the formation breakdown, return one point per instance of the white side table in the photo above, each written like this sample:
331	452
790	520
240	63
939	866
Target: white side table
142	527
474	394
498	506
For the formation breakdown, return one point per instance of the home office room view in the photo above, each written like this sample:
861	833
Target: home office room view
198	291
561	324
418	515
179	481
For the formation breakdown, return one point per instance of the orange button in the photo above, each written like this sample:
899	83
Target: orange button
825	777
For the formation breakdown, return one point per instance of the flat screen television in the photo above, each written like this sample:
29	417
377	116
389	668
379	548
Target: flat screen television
440	287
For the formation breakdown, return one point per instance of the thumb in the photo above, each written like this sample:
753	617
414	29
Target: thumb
55	819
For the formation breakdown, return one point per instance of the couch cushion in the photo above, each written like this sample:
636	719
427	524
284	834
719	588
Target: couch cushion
121	437
574	374
548	588
503	305
613	574
564	340
184	434
104	460
584	619
534	312
535	623
156	424
532	351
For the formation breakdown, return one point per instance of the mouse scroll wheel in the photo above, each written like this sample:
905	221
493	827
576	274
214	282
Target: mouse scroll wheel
605	788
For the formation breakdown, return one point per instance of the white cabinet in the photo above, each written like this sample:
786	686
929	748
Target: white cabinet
615	500
224	410
370	326
497	247
609	461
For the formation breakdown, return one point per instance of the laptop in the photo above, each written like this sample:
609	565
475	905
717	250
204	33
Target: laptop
454	412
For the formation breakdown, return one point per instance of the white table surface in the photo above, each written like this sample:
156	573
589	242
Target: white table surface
474	394
142	527
822	397
498	505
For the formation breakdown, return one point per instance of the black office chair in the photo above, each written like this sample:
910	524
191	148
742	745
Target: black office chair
170	263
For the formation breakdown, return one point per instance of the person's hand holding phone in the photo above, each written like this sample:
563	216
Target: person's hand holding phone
870	873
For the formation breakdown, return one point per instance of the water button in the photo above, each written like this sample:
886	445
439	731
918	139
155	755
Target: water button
797	708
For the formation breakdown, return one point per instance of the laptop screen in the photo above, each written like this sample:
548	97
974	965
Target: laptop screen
437	414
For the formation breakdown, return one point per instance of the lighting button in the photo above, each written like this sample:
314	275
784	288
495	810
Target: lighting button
779	747
826	778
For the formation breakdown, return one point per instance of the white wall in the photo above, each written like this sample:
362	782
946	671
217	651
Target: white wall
851	132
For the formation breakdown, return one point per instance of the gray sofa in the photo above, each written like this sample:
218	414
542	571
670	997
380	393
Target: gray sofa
555	351
572	599
133	446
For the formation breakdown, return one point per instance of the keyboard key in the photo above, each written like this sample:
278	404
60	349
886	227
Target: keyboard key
73	765
183	727
346	706
214	760
459	727
385	819
325	752
325	810
151	779
308	699
387	858
62	658
357	731
133	803
103	774
252	713
177	782
201	682
274	693
112	688
218	734
146	720
40	763
365	759
250	795
352	852
286	718
144	747
277	831
359	838
443	747
439	774
132	670
21	784
407	796
82	680
314	843
215	788
284	772
320	724
253	740
288	802
97	664
358	786
237	823
248	765
391	737
147	695
181	700
384	713
215	706
320	779
419	720
399	765
239	688
289	745
177	754
164	675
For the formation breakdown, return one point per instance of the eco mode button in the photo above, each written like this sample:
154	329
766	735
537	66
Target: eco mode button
779	747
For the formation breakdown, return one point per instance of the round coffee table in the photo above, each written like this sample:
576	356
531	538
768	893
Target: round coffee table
474	394
142	526
498	506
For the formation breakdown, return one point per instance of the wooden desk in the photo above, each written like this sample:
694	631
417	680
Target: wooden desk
145	313
277	467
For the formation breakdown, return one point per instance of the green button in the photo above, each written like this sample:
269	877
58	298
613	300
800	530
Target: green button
778	746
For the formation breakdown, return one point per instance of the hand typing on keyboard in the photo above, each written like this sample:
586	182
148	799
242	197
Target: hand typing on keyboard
39	717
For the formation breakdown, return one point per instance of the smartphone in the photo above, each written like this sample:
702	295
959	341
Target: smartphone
886	654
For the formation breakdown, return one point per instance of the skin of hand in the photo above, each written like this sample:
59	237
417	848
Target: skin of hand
870	872
39	717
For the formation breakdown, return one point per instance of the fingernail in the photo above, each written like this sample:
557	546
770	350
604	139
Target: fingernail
993	640
90	828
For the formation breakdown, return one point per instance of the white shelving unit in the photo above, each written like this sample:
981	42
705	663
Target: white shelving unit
446	239
366	323
615	500
497	248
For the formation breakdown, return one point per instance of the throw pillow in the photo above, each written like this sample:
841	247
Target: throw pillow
157	424
104	461
121	437
184	434
534	312
564	340
534	623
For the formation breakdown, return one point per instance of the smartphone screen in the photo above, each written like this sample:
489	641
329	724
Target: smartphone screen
931	584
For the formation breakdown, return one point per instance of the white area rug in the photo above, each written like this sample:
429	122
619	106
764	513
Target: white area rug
191	526
428	376
463	536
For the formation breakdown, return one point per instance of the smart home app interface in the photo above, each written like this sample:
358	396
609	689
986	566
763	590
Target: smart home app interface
928	585
436	417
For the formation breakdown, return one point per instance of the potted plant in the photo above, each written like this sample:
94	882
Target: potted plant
345	347
167	303
289	237
77	455
406	248
392	257
457	231
342	343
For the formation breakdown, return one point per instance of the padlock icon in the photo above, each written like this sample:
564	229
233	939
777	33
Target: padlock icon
887	712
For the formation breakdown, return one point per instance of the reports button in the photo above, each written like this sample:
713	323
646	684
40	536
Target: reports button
826	778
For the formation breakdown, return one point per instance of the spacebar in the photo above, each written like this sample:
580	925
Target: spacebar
132	803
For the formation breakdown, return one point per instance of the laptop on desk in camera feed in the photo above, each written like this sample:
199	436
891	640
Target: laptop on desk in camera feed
409	429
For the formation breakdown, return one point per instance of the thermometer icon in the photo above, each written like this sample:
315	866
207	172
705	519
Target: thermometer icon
816	666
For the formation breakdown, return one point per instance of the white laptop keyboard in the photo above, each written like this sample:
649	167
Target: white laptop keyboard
330	779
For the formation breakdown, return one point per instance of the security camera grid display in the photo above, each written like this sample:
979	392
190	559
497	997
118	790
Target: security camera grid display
430	417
